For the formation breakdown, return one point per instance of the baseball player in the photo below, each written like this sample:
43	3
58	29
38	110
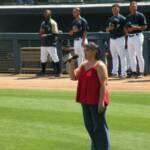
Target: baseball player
135	24
117	41
79	33
48	30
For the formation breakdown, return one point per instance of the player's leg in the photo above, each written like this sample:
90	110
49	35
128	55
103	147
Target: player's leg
128	61
43	59
132	55
78	49
139	51
54	55
81	52
114	54
122	54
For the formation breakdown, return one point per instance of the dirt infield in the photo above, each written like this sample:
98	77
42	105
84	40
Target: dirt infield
31	81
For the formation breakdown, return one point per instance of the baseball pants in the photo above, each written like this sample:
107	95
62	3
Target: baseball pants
96	126
128	60
79	50
52	51
135	50
117	48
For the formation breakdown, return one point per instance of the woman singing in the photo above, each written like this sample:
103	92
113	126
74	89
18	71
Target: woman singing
92	93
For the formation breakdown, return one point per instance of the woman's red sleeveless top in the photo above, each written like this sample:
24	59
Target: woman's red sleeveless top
88	89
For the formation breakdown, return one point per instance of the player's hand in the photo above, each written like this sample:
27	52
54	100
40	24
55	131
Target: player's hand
101	107
43	35
130	29
111	27
136	27
71	32
133	28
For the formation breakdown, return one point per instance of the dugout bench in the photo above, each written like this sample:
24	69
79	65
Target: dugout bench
30	60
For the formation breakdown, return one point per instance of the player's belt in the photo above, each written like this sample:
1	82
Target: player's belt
76	39
132	35
117	37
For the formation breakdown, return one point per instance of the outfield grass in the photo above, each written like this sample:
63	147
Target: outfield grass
50	120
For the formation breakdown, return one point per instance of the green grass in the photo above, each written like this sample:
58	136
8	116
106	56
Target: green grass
51	120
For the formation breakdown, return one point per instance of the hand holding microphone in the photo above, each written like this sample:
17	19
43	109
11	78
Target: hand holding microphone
71	58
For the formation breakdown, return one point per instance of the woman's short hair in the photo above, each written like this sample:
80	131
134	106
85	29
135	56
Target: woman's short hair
115	5
77	9
94	47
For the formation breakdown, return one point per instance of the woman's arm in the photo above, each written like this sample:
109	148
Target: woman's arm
103	78
73	73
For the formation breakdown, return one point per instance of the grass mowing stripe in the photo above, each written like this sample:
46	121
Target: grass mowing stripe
39	94
41	130
40	144
42	104
127	140
40	115
142	98
134	124
137	110
71	106
121	97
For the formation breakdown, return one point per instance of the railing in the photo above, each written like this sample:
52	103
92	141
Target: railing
11	44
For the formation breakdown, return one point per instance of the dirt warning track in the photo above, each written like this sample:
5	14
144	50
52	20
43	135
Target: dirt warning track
31	81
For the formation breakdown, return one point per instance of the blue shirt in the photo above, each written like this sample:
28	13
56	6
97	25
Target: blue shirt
118	23
137	19
81	25
50	39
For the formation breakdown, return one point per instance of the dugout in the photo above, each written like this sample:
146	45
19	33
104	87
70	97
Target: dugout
19	26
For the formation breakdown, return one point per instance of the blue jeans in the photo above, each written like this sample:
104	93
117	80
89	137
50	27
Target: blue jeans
96	126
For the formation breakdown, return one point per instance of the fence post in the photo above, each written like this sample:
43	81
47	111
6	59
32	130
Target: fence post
16	56
146	53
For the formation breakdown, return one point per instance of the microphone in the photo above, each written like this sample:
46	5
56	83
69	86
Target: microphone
72	57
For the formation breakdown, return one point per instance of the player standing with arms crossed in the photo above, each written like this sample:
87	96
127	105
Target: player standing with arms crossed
79	33
117	41
135	24
48	31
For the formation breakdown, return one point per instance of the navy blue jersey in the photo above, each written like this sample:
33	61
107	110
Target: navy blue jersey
118	23
50	39
80	24
137	19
